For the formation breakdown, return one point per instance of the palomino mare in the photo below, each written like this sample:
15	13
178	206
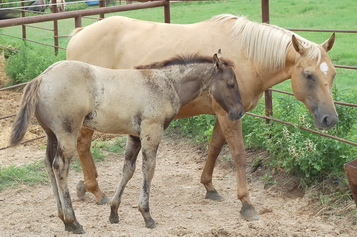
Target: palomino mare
141	103
264	55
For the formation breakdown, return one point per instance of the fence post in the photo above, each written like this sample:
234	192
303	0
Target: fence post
23	14
167	11
268	93
78	21
55	26
101	4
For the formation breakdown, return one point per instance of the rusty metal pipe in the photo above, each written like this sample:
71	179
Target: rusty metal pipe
73	14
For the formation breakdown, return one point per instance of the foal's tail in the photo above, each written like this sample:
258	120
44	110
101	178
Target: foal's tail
27	108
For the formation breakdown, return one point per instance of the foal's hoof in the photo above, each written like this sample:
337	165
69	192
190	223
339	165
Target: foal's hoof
81	190
150	223
248	212
74	228
213	195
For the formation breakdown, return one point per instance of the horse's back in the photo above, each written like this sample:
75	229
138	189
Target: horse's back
124	42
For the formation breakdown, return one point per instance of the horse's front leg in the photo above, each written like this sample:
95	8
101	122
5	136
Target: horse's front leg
150	140
88	168
215	147
232	131
133	146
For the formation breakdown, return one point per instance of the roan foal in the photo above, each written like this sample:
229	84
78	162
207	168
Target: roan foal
140	103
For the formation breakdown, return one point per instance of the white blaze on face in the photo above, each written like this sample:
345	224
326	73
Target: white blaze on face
324	68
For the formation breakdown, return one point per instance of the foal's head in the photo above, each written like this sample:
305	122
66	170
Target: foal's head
224	87
222	83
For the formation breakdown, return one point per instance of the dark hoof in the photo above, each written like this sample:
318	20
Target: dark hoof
74	228
248	212
104	200
81	190
150	223
213	195
113	218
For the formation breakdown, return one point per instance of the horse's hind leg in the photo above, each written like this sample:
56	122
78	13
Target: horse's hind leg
88	168
133	146
57	166
66	147
51	151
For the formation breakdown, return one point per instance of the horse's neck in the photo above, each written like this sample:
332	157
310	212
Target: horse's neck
253	85
191	83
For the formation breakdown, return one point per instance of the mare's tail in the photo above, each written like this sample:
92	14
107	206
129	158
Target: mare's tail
27	108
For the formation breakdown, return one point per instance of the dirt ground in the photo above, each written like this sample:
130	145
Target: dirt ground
177	198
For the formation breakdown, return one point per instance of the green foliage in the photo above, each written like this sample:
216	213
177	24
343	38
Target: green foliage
199	127
13	176
28	63
298	151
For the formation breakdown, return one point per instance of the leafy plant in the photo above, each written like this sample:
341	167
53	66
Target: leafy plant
27	64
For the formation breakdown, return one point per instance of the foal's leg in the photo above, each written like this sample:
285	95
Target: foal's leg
150	143
65	148
215	147
133	146
233	133
88	168
51	151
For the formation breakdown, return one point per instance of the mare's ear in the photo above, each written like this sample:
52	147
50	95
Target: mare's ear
217	59
297	45
327	45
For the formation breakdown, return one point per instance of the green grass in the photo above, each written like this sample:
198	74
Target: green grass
15	176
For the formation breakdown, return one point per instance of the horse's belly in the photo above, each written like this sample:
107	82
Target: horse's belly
113	124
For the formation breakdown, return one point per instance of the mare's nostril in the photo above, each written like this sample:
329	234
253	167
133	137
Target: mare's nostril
326	121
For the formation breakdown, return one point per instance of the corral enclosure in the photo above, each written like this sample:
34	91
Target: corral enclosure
248	229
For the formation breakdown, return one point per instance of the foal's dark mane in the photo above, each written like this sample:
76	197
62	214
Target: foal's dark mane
183	60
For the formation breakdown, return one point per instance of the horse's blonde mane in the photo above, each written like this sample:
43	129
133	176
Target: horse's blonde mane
266	44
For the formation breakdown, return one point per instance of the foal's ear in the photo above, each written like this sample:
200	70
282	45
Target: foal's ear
327	45
297	45
217	59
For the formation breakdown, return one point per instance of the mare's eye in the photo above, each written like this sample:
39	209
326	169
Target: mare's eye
308	75
230	85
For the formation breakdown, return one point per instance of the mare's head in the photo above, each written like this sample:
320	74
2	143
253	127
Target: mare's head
312	79
224	88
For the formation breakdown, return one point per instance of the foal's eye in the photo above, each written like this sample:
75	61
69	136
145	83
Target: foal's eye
230	85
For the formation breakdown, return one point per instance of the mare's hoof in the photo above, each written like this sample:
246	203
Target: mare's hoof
81	190
213	195
104	200
248	212
150	223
